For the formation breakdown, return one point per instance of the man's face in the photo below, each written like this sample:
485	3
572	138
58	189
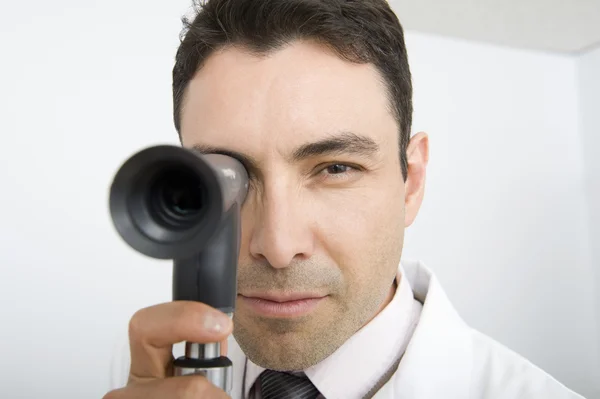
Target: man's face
325	211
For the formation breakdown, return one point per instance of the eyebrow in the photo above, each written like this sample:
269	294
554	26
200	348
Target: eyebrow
342	143
338	144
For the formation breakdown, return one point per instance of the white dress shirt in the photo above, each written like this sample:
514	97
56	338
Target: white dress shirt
358	365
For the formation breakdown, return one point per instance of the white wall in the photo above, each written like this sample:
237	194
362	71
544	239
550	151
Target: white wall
589	104
504	222
83	85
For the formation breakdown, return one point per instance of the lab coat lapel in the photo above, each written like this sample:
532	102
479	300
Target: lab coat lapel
438	360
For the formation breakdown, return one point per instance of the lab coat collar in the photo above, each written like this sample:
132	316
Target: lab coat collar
438	360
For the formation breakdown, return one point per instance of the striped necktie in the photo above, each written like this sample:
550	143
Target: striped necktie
280	385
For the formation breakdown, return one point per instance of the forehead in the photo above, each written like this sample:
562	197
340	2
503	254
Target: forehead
297	94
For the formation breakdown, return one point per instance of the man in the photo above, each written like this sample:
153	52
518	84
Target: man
314	97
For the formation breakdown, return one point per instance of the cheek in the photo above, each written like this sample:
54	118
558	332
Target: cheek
357	211
358	227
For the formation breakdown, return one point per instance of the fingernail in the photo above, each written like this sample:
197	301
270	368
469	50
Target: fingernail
216	321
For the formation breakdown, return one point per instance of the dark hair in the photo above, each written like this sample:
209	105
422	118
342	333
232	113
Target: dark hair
360	31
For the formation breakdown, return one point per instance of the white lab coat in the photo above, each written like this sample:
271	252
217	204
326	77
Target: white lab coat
445	359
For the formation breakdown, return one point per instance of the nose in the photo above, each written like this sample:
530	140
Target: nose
282	229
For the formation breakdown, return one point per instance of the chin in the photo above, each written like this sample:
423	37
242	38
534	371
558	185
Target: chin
279	348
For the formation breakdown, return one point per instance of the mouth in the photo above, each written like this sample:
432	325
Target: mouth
282	305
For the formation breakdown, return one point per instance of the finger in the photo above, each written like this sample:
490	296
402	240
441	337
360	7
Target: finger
224	347
187	387
154	330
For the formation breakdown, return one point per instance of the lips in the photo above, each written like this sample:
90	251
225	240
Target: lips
282	305
289	297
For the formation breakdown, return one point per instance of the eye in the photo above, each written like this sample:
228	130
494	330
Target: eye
338	168
338	172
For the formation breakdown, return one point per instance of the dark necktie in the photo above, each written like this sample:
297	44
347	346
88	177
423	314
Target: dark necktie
279	385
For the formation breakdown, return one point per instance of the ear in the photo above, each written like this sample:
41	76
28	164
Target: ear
417	155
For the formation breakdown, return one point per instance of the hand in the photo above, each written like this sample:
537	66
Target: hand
152	333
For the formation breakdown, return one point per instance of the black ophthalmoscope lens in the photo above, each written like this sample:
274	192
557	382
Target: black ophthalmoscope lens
179	197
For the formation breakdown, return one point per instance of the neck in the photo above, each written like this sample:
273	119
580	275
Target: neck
388	299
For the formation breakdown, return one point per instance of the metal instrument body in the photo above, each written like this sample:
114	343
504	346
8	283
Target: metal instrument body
206	360
169	202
